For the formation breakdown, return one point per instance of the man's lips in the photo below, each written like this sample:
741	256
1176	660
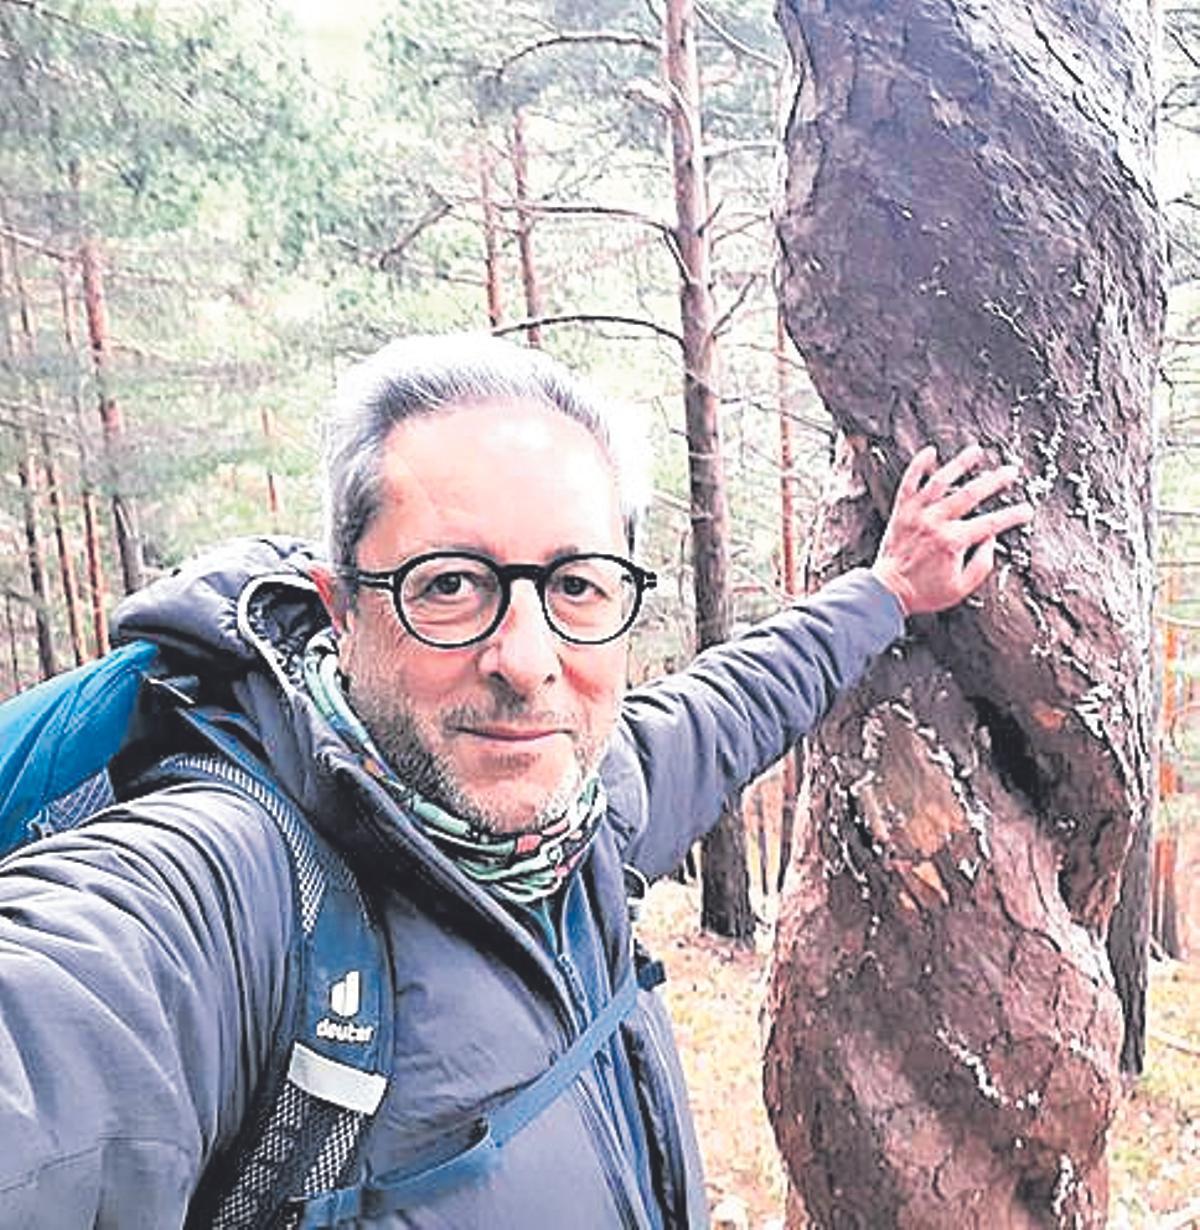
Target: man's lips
512	734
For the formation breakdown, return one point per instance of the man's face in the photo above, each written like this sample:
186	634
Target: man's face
502	732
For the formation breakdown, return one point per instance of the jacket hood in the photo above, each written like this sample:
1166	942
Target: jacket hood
239	617
215	609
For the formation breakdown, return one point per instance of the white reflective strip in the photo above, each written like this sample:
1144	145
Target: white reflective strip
336	1082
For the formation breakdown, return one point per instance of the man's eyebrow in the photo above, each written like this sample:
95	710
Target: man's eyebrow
467	548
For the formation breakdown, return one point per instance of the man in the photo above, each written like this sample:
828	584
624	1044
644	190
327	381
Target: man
457	728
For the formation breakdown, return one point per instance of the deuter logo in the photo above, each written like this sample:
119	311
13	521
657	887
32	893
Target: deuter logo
345	996
339	1031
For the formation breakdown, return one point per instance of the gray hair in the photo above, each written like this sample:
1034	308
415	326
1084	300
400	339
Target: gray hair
426	374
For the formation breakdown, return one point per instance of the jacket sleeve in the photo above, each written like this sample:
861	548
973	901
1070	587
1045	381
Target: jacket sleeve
142	969
687	742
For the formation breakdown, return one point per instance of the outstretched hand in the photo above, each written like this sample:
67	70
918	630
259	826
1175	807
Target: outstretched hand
933	553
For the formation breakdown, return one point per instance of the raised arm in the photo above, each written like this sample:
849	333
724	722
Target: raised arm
688	742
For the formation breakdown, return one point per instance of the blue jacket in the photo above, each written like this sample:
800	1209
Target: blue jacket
144	958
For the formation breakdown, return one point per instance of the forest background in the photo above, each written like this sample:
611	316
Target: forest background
208	210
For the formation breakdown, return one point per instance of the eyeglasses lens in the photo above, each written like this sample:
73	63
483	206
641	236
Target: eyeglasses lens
451	600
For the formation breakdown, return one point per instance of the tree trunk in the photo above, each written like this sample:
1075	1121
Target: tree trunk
491	236
14	656
1165	897
66	562
35	556
124	508
1128	943
787	570
35	560
273	505
726	881
51	473
529	277
91	517
971	253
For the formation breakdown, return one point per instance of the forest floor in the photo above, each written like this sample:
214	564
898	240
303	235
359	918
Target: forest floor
715	990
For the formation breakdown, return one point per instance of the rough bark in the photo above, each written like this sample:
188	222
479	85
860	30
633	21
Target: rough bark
725	906
971	253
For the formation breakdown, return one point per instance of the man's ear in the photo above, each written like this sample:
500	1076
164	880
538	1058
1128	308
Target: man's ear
331	597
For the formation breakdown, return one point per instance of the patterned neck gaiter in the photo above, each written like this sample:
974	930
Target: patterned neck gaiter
521	869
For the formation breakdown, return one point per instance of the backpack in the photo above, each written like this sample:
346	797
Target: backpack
294	1164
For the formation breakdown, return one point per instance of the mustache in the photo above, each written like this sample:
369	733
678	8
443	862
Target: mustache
505	709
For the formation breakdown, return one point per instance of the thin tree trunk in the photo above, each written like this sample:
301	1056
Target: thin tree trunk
14	656
27	473
529	274
91	518
491	236
760	835
50	467
1164	912
787	569
971	254
726	881
268	430
124	507
35	556
66	563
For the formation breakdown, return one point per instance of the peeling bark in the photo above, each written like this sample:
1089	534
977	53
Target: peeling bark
971	253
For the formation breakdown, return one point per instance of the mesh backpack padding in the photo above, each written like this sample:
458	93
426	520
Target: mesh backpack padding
69	811
300	1131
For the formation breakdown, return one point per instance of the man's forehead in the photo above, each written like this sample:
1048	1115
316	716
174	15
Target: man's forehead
502	470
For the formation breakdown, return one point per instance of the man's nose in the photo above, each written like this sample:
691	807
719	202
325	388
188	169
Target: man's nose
524	649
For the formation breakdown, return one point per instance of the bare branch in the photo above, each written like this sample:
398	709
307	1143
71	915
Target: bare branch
589	318
42	10
734	43
437	210
28	241
586	208
576	38
713	151
740	298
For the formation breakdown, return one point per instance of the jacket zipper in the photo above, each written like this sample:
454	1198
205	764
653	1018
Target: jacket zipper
569	999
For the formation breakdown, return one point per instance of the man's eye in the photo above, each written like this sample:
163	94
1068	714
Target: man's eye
447	584
578	587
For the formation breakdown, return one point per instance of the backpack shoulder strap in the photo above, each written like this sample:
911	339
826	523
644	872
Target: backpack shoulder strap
410	1187
329	1066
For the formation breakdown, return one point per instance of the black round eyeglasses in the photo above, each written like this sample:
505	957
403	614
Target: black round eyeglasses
449	599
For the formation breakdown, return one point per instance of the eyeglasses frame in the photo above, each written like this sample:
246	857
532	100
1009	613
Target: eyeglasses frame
392	580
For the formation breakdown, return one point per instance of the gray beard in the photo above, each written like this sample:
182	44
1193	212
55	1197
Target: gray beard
416	764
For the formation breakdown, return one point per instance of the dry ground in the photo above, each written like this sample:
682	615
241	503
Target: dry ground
715	989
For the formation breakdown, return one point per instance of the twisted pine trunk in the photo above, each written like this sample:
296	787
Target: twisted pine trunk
971	253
